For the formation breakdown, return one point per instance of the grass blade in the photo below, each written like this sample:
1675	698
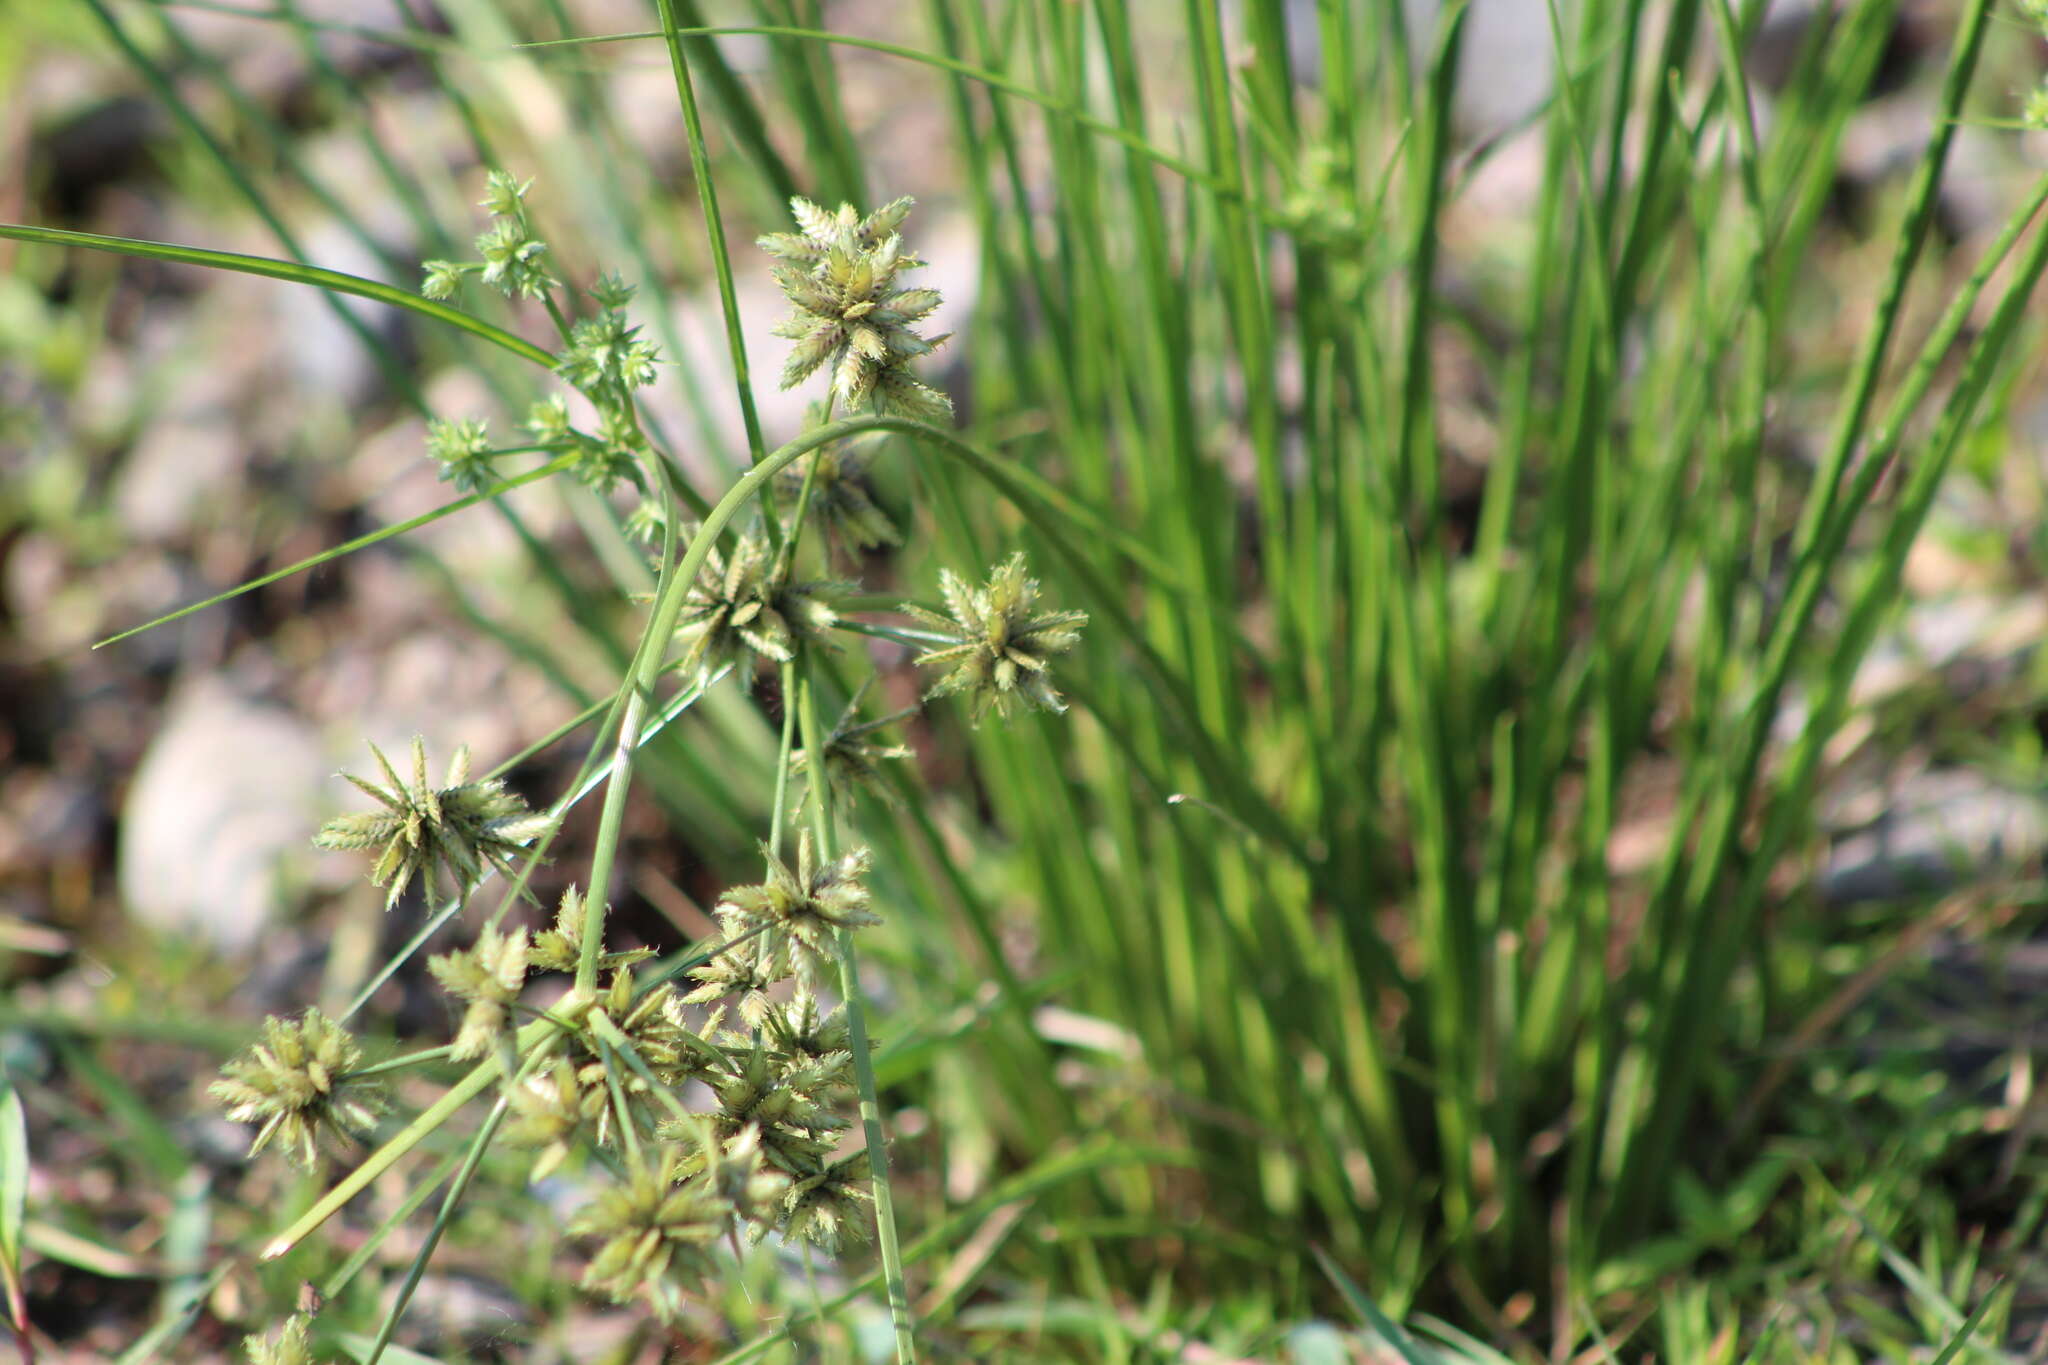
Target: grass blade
361	542
13	1206
333	281
1369	1313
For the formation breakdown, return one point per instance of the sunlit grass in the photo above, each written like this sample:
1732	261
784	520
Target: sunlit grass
1294	970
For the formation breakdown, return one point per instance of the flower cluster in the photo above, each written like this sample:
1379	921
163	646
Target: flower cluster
762	1158
650	1222
614	1073
839	270
853	754
457	828
292	1346
514	260
797	911
841	498
2034	109
604	356
487	977
296	1085
608	353
559	948
748	601
463	450
614	1066
996	643
650	1023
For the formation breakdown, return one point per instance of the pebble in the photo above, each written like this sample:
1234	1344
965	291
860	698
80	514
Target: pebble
222	807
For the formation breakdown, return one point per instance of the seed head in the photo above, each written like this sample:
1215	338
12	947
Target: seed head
750	602
560	949
504	195
515	263
2034	112
548	420
842	498
840	271
290	1348
790	1106
799	911
998	647
610	291
746	969
606	353
460	827
814	1042
295	1083
489	976
827	1207
463	450
651	1022
854	753
548	1111
650	1223
442	278
614	453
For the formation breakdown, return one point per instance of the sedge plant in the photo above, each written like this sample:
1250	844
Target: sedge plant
1428	565
606	1066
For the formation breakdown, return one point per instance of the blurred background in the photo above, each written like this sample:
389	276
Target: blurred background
1067	955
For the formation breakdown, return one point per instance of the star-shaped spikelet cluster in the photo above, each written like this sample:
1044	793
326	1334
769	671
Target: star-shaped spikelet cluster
748	601
840	270
458	828
295	1083
797	912
998	646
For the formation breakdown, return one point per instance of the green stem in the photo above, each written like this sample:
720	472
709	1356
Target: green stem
1922	199
803	510
782	753
857	1035
714	228
786	553
362	542
417	1270
638	689
994	80
432	1117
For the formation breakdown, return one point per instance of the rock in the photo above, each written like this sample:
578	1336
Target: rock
225	800
175	472
325	359
1942	828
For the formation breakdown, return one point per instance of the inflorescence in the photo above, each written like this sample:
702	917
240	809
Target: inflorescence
607	1065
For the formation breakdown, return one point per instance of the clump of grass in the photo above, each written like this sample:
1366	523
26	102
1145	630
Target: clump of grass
1326	884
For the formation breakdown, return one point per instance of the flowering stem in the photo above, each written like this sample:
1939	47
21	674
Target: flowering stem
857	1035
432	1117
555	313
478	1146
721	258
671	595
803	500
646	670
782	753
